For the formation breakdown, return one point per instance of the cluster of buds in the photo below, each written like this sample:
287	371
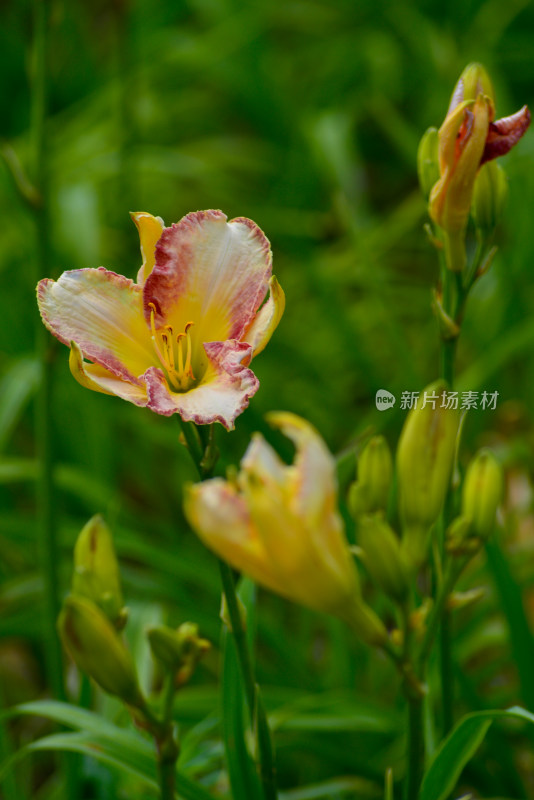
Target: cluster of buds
380	548
425	465
93	616
178	650
455	164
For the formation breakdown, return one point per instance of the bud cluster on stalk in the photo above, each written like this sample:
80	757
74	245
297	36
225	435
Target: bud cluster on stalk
457	171
425	465
93	616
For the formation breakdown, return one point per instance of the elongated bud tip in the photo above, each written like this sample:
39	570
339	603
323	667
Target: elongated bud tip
97	649
96	569
427	161
482	493
473	81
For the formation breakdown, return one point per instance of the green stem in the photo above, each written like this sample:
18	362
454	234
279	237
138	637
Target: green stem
45	350
162	730
266	766
267	769
448	353
169	690
454	297
239	634
436	613
167	779
446	672
415	748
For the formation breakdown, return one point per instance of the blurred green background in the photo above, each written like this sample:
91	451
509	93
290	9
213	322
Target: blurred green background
304	115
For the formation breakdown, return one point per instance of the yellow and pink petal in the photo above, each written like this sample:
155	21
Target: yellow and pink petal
100	379
209	271
102	312
266	320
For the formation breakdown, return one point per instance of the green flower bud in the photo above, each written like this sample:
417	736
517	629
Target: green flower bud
489	197
178	650
375	474
427	161
96	570
382	555
425	457
482	493
97	649
459	539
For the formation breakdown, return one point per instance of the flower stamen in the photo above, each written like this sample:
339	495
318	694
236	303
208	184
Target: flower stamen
179	374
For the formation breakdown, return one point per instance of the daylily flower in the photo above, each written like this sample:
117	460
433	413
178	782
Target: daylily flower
468	138
280	525
179	341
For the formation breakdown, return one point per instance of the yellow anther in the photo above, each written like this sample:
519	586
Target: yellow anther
188	368
180	353
171	355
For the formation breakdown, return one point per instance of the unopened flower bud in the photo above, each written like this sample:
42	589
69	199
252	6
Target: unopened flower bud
462	139
382	555
178	650
468	138
97	649
459	538
375	474
489	197
427	161
482	493
425	457
96	570
473	81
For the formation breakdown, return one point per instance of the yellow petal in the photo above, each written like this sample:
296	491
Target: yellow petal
150	229
266	320
218	514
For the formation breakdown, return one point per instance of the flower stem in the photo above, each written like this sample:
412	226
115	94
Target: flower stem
453	302
45	351
415	760
253	696
266	766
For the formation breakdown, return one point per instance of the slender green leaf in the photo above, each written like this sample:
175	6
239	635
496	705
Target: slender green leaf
102	748
521	638
16	388
100	739
458	748
338	787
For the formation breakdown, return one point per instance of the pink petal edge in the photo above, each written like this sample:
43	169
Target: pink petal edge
227	382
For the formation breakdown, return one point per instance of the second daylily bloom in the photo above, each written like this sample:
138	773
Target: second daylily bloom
181	339
280	525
